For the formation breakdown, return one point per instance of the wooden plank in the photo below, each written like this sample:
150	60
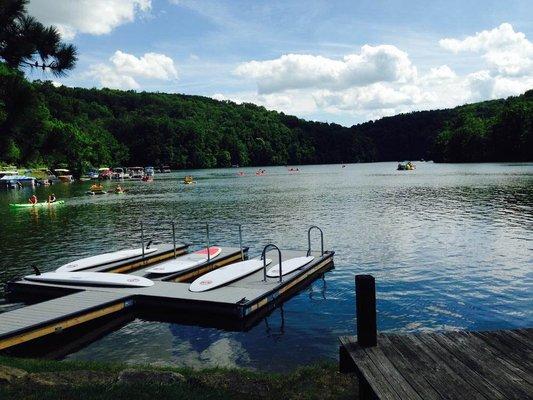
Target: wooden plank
526	343
401	385
510	347
442	378
475	380
526	333
371	373
408	369
507	367
481	363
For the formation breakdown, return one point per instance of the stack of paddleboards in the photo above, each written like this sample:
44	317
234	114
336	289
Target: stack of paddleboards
103	259
233	272
185	262
73	273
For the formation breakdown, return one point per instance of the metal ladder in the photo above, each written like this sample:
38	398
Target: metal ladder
263	257
309	240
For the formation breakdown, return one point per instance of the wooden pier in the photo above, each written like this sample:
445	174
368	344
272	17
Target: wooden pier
437	365
240	301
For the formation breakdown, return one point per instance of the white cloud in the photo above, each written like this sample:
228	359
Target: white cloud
151	65
292	101
124	68
506	52
373	97
383	63
95	17
110	78
381	80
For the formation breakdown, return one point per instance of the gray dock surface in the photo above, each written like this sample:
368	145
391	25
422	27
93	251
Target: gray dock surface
445	365
32	317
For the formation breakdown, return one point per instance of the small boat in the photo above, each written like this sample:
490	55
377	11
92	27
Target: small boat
15	181
64	175
119	173
409	166
226	274
37	205
185	262
148	174
165	169
104	173
136	172
96	189
92	174
188	180
91	278
103	259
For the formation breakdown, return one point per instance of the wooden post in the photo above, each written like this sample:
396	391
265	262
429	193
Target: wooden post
365	299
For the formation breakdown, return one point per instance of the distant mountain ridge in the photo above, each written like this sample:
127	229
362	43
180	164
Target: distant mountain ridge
41	123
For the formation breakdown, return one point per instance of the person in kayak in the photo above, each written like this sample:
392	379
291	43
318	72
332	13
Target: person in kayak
119	189
52	198
33	199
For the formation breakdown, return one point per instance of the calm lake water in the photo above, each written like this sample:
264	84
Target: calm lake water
451	247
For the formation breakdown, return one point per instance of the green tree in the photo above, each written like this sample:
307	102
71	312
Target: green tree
25	42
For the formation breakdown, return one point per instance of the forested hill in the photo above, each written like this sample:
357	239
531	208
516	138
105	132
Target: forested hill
41	123
495	130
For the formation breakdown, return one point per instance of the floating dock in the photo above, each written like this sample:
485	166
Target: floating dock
437	365
243	300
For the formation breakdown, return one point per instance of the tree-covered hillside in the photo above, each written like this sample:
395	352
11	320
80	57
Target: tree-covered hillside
41	123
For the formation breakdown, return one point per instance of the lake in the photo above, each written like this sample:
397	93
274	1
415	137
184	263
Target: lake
450	245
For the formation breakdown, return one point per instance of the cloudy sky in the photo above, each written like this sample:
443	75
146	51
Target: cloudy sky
336	61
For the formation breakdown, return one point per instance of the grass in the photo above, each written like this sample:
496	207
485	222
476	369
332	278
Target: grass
94	380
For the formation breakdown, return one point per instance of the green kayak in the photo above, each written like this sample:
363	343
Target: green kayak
43	204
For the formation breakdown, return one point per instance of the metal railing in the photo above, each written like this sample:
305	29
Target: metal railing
174	244
309	240
263	257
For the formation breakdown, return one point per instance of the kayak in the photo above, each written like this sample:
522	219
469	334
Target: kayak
43	204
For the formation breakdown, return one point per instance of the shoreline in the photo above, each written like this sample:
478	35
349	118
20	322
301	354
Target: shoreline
50	379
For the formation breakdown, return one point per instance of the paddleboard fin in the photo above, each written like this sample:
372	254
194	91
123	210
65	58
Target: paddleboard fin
36	270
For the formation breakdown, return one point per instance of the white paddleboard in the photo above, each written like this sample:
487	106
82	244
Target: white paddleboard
102	259
184	262
289	266
229	273
91	278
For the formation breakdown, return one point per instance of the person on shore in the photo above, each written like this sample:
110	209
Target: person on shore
33	199
52	198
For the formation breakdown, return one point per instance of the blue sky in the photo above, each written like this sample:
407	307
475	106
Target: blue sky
337	61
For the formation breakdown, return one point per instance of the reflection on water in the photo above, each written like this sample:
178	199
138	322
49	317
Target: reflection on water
450	246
